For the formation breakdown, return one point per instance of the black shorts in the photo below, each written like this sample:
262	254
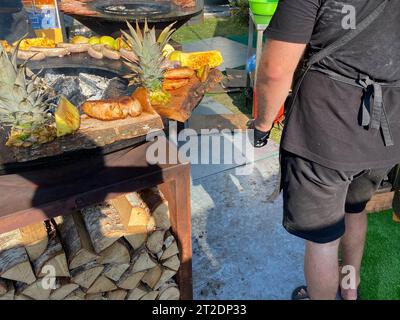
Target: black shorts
316	198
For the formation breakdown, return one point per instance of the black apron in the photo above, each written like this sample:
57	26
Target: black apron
373	113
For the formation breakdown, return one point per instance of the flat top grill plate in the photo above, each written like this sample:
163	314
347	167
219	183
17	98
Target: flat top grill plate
135	9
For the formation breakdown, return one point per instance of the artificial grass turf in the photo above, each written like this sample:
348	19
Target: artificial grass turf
380	275
209	28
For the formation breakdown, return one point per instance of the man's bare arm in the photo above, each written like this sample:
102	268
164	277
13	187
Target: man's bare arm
275	75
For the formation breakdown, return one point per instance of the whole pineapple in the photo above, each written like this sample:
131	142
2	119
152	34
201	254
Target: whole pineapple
23	108
149	70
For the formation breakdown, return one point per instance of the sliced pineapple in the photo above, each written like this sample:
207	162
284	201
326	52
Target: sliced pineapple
197	60
68	119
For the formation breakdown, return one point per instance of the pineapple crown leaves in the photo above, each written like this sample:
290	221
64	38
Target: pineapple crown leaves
21	101
148	70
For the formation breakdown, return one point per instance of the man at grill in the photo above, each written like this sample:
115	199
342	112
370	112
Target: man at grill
342	132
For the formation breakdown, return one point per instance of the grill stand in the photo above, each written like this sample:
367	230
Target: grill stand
24	201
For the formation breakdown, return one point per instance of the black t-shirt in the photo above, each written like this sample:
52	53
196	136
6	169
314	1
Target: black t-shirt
324	125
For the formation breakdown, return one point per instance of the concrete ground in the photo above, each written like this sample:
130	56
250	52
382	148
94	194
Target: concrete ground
240	249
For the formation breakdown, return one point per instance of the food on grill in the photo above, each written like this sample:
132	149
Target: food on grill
110	53
74	48
26	44
128	55
96	52
51	52
68	119
148	71
5	45
108	41
121	44
179	73
173	84
30	55
79	40
94	40
23	106
185	3
197	60
113	109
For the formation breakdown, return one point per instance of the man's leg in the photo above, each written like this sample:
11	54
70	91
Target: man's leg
352	245
321	270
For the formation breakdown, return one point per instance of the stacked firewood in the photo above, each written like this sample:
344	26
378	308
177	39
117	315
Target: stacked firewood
122	249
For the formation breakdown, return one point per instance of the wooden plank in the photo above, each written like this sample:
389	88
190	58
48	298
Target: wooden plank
92	134
184	100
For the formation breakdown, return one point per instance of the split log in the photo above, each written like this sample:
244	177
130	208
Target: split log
155	241
165	276
63	288
152	276
78	294
35	239
134	214
137	293
76	240
14	261
152	295
95	296
117	253
115	271
102	284
136	240
3	287
9	290
87	274
35	290
142	262
158	207
117	295
170	251
169	293
54	259
172	263
104	225
130	280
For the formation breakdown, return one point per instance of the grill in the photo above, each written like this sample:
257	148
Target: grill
110	16
75	77
140	9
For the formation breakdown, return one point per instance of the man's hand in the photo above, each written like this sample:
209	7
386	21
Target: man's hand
260	138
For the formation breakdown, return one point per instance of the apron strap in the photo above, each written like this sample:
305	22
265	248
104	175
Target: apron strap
373	112
364	24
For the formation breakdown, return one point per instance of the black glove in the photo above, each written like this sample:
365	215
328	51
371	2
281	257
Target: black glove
260	138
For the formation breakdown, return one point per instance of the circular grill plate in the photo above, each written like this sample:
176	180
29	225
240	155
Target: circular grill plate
141	9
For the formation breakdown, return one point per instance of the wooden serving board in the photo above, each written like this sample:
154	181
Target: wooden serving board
184	100
91	135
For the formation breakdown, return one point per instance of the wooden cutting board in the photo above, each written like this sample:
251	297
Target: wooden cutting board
92	134
184	100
